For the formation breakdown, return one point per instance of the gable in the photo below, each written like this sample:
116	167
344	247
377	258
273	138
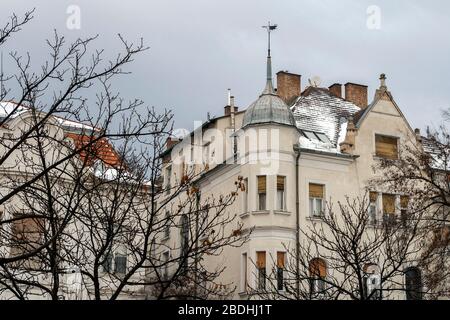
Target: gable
383	108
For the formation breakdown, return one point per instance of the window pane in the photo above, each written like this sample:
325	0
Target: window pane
323	138
319	210
310	135
311	206
120	262
280	200
280	274
413	282
262	201
372	213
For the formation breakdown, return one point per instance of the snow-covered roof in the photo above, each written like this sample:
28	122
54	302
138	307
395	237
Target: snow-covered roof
6	107
439	153
70	124
318	110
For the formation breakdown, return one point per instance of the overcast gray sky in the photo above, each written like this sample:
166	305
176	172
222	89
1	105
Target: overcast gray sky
199	48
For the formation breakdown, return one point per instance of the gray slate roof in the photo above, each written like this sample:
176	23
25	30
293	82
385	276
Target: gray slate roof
318	110
268	108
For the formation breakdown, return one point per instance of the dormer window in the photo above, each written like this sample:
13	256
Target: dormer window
386	147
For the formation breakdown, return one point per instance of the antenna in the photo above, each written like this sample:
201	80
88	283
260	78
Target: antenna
315	81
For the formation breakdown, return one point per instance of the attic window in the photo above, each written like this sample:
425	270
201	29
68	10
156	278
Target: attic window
311	136
386	147
323	138
315	136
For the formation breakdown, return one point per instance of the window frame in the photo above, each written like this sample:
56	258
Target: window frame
244	272
261	272
314	200
374	208
283	196
165	274
258	193
281	271
317	281
386	136
418	288
245	206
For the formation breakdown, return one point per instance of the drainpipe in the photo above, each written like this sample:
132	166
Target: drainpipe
297	217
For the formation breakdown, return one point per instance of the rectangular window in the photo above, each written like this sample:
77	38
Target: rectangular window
261	268
262	192
244	282
373	207
281	194
316	196
26	234
245	195
120	263
281	259
386	147
388	208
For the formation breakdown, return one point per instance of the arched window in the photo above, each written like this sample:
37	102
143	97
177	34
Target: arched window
318	273
413	283
372	281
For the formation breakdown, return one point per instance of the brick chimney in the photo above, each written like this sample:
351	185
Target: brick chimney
228	110
336	89
288	86
230	105
356	93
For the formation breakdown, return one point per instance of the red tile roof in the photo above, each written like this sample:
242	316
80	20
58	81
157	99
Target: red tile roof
99	150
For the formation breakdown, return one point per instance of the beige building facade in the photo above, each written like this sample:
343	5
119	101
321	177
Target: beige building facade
297	150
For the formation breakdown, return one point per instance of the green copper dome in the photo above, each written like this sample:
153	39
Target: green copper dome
269	108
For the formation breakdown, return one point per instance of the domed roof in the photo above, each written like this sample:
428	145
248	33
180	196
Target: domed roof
268	108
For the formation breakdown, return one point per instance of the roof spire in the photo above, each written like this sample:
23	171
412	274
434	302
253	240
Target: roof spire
269	84
383	81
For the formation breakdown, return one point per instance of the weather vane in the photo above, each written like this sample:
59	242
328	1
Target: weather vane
269	28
